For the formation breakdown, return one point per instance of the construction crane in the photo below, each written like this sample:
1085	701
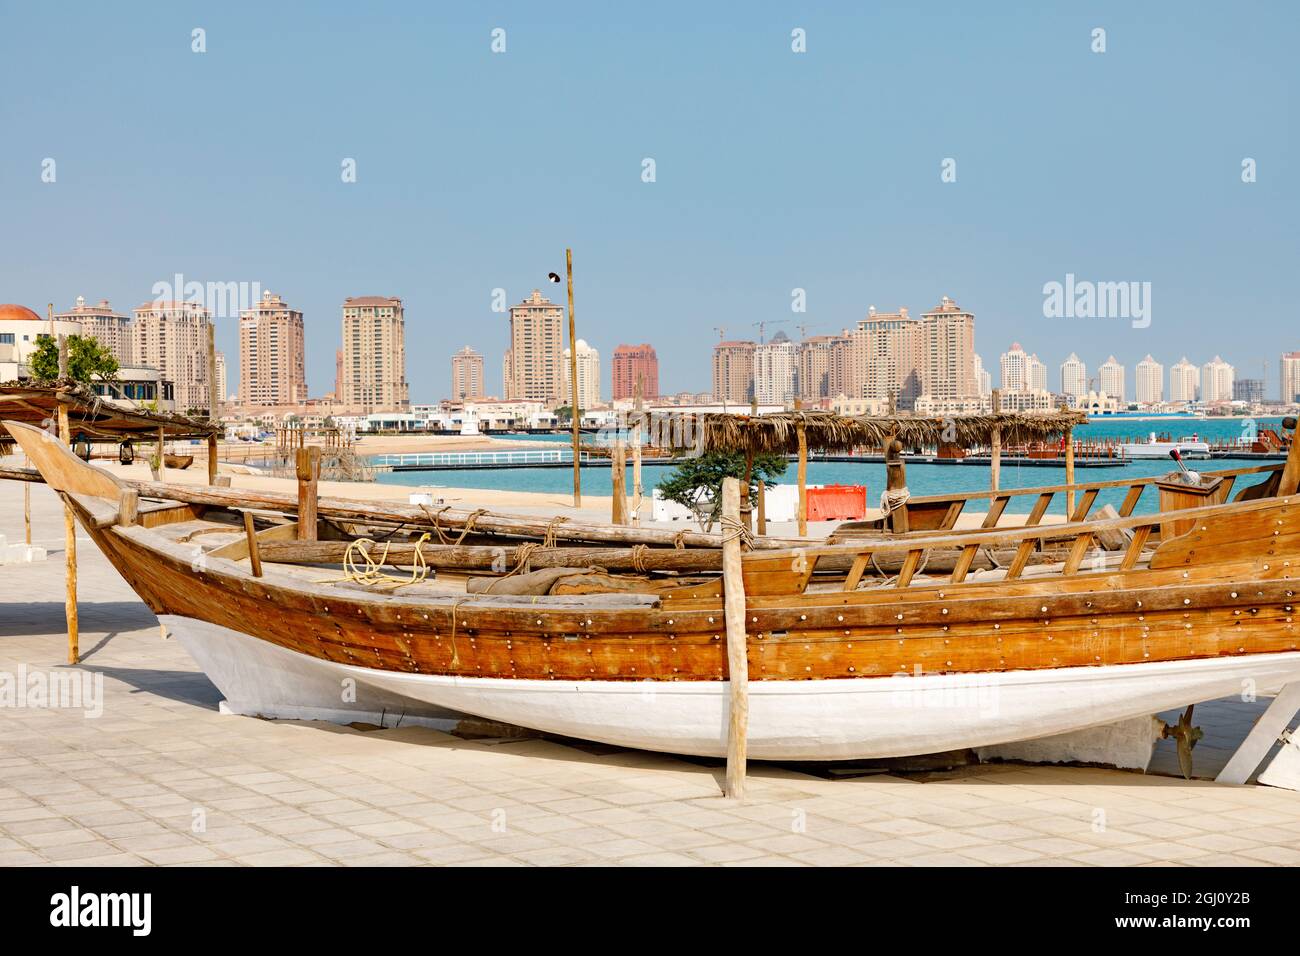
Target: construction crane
803	328
762	326
722	332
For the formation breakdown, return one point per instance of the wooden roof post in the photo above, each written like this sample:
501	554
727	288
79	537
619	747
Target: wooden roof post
995	445
214	400
1069	468
761	487
618	482
637	491
896	480
746	509
802	432
70	556
737	661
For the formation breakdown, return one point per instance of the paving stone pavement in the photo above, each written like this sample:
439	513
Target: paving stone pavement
162	778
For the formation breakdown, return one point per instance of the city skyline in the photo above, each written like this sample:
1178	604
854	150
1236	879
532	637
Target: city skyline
820	206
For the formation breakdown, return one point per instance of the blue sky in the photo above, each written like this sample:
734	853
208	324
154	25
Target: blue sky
775	170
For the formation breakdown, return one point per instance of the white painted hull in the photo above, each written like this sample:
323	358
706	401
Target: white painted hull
788	720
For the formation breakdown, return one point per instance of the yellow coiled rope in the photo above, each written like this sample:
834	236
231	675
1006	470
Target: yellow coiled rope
360	566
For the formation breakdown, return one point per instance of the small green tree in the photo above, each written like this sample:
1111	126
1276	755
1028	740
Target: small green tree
697	482
86	359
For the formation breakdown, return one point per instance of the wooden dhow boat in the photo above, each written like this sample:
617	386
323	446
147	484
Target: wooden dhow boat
841	664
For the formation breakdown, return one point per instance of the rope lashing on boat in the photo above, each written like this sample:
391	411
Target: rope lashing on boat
469	523
679	540
639	552
548	539
523	563
433	517
891	501
361	568
732	529
443	537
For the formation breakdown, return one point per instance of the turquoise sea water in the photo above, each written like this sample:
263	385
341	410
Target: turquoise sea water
922	479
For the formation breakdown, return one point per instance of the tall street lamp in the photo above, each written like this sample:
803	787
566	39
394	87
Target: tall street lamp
573	379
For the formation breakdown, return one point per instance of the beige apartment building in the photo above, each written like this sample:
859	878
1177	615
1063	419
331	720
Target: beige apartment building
824	366
1290	377
467	374
222	383
949	333
588	377
733	372
111	329
888	357
532	368
373	374
272	354
173	338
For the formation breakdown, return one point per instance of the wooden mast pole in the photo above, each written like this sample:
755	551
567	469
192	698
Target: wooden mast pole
213	401
70	556
995	443
573	382
737	662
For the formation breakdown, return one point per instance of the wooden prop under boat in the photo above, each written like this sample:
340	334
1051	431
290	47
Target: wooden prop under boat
921	664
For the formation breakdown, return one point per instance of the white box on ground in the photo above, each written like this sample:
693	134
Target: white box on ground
1128	745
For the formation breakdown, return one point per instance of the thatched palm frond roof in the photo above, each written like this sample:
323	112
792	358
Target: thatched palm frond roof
824	431
95	416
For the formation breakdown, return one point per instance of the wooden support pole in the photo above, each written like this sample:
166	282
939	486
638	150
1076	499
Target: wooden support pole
70	558
254	555
1069	472
162	455
308	470
896	480
762	506
213	398
995	446
746	508
637	437
573	378
212	459
803	479
737	661
618	479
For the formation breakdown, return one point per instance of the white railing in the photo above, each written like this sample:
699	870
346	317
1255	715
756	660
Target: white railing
472	458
